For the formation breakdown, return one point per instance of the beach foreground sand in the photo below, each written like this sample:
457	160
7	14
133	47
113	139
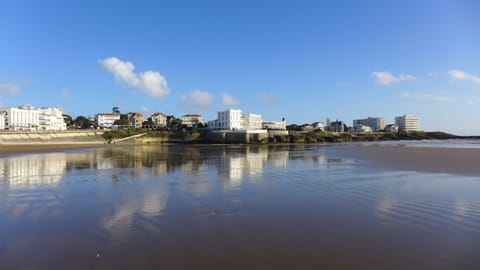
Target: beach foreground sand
423	159
41	148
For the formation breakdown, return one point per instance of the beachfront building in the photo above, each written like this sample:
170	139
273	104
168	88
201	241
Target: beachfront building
361	129
192	120
251	121
106	120
234	120
51	119
407	122
135	119
2	121
29	118
318	126
275	125
159	119
376	123
337	126
392	128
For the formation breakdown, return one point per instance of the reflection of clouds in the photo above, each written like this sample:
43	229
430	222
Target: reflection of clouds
146	203
461	206
386	205
33	170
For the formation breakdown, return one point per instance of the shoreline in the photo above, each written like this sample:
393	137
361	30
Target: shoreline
462	161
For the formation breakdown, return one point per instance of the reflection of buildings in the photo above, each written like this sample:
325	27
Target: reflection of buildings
33	170
249	163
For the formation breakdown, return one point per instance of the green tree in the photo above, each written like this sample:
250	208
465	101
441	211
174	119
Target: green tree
82	122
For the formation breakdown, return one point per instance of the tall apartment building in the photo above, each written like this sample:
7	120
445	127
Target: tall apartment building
376	123
51	119
407	122
29	118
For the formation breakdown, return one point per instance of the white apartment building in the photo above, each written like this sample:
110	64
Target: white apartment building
376	123
28	118
227	120
235	120
51	119
251	121
25	117
407	122
106	120
2	120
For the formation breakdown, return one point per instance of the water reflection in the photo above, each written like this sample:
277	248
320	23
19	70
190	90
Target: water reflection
184	207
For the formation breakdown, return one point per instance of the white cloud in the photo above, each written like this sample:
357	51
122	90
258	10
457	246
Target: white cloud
150	82
9	89
228	100
387	78
470	102
64	93
459	75
426	96
196	101
266	98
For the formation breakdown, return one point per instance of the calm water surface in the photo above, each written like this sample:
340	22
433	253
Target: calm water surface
231	207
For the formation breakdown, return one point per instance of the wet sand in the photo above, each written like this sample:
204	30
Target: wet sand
238	207
422	159
44	148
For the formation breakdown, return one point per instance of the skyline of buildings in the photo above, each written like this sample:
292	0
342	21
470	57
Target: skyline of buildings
28	118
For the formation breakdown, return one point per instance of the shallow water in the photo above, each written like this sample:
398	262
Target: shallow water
231	207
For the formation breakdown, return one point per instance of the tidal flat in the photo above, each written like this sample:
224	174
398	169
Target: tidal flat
241	207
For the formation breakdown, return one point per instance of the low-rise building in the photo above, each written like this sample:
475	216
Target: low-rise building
361	129
318	126
106	120
192	120
275	125
376	123
135	119
392	128
407	122
159	119
251	121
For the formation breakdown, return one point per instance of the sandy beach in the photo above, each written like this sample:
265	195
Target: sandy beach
423	159
43	148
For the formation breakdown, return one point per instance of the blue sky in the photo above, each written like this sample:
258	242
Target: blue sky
302	60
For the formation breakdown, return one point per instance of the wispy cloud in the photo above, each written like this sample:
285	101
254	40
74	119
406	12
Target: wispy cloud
459	75
64	93
266	98
426	96
228	100
9	89
387	78
196	101
150	82
11	86
470	102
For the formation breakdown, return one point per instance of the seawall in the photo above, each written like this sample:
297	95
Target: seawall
52	137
